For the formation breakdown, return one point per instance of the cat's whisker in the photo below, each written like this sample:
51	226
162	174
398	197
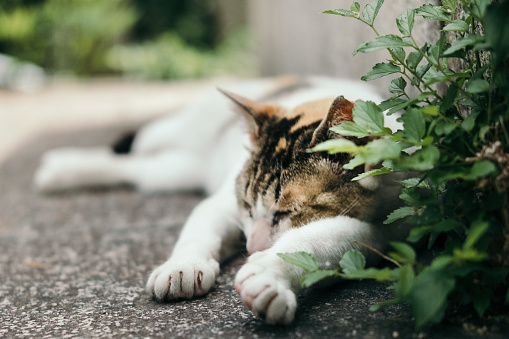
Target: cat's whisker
350	206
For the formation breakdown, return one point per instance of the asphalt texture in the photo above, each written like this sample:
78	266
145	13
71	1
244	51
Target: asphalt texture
74	265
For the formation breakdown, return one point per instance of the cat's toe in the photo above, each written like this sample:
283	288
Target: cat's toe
182	281
268	296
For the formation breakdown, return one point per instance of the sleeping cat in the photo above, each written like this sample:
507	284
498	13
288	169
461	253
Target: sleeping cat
262	182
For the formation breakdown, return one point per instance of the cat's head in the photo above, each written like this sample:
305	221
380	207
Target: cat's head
282	185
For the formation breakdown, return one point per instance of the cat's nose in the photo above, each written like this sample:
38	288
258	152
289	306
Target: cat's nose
260	238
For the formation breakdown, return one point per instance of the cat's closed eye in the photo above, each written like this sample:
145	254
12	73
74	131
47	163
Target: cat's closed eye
247	207
278	216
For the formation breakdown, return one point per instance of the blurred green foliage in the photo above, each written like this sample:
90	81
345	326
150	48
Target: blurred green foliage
153	39
194	21
169	57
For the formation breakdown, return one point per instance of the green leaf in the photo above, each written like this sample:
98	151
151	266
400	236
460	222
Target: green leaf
478	86
496	28
469	123
417	233
397	86
389	103
414	183
374	152
430	12
372	173
475	232
450	5
427	141
405	21
398	54
506	302
430	110
311	278
421	70
413	59
451	95
351	261
369	273
349	128
443	226
434	53
333	146
441	262
481	301
444	128
384	148
457	26
368	115
478	7
422	160
422	96
356	7
402	105
302	259
382	42
465	255
342	12
410	196
400	213
414	125
429	296
370	11
358	160
405	281
460	43
380	70
482	168
405	251
428	156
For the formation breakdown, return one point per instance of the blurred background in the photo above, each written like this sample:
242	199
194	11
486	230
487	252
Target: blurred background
154	39
64	63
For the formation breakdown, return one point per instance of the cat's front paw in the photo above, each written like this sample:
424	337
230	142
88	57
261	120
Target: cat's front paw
182	280
266	292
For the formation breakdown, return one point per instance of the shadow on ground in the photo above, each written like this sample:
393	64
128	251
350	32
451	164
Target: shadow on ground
74	265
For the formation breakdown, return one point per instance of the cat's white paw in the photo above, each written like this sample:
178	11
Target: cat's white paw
266	292
67	168
182	280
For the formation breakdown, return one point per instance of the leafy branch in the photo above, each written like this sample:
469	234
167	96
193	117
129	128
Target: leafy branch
460	197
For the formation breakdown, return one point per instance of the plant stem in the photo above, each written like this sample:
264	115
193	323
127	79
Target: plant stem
378	252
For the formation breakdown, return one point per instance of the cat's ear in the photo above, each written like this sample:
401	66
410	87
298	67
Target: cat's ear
339	112
255	113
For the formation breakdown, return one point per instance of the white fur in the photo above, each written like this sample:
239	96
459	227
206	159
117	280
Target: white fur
204	146
267	277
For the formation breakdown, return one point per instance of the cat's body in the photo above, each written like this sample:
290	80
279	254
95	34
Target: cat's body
262	184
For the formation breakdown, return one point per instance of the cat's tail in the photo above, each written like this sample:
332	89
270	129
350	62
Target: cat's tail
124	144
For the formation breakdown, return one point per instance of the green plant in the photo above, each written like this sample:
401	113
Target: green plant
65	35
146	39
169	57
459	198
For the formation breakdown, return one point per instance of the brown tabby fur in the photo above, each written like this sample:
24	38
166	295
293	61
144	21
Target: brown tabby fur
292	182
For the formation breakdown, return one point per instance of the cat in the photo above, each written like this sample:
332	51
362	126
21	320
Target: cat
263	185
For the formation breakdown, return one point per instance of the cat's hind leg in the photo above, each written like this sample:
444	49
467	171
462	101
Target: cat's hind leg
72	168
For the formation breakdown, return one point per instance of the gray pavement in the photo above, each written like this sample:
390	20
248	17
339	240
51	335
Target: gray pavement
74	265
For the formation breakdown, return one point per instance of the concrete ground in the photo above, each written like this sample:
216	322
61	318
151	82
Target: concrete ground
74	264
